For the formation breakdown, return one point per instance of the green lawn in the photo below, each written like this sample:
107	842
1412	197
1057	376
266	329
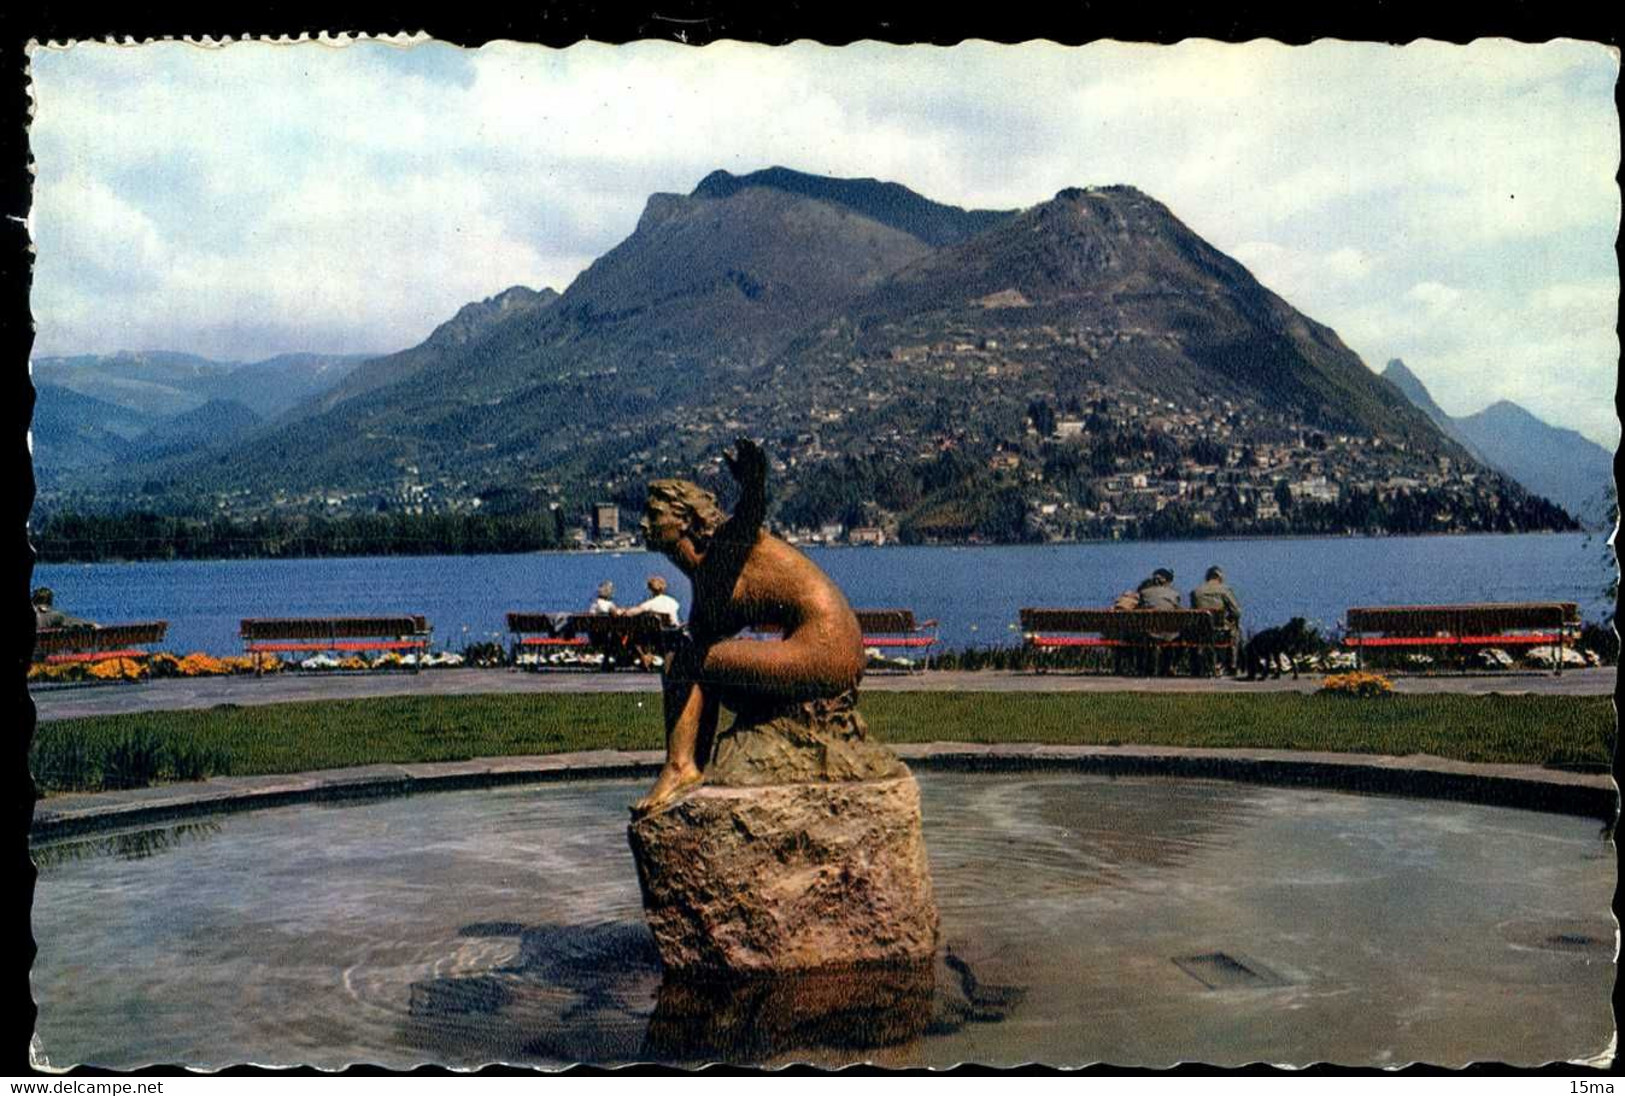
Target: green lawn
321	735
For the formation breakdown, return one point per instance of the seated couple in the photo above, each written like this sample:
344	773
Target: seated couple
659	602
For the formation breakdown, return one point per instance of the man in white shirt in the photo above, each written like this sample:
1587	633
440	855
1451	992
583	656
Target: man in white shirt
662	605
659	601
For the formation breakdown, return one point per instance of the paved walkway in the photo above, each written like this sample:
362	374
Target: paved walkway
192	693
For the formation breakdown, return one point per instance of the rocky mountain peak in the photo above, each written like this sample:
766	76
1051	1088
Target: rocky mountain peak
890	204
474	319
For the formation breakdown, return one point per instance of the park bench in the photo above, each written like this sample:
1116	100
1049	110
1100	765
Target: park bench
896	629
886	629
98	643
539	632
1460	628
1142	631
297	635
614	638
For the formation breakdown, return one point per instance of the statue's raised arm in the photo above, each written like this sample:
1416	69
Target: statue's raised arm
749	467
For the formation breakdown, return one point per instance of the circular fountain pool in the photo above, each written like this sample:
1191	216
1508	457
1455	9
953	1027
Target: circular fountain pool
1135	921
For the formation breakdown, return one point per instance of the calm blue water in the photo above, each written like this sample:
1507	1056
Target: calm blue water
974	592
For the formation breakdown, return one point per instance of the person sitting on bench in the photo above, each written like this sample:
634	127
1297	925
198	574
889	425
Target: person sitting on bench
1158	592
47	615
1215	593
659	602
604	603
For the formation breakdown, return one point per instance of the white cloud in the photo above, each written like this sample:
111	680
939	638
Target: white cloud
1434	297
1295	273
244	199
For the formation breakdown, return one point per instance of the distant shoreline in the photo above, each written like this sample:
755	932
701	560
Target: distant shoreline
641	550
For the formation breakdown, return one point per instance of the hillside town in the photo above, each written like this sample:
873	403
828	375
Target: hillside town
975	415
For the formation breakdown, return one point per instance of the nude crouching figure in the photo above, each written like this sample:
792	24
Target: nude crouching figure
742	576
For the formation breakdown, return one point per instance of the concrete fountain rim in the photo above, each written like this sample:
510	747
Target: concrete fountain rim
1527	787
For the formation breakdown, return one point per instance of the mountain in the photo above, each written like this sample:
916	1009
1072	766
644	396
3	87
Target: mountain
156	383
704	292
1562	465
1088	366
72	431
1411	386
102	411
1152	304
279	383
211	424
164	383
471	323
889	204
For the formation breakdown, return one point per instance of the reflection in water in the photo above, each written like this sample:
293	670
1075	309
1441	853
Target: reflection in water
573	993
131	845
594	993
979	1002
757	1019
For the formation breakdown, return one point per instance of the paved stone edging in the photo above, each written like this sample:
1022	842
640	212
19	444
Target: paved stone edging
1524	786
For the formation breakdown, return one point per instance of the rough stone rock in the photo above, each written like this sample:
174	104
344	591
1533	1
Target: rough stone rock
821	740
787	877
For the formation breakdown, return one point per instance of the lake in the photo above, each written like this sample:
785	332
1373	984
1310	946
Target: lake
974	592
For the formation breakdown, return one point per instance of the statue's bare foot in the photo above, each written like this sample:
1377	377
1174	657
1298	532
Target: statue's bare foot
672	779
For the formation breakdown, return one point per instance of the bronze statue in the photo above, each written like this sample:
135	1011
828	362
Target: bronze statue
742	577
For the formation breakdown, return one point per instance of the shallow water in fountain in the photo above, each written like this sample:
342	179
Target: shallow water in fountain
1136	921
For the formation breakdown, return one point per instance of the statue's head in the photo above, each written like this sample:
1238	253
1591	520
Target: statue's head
678	510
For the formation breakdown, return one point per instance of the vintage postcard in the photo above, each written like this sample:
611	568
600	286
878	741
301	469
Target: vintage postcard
655	553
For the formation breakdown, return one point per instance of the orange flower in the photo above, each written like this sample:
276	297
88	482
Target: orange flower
1363	684
198	664
115	669
247	664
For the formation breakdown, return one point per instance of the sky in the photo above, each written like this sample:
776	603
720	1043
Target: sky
1450	205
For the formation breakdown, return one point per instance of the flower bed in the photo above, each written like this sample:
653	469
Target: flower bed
1357	684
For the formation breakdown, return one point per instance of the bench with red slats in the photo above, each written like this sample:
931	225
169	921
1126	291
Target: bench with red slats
1125	629
601	633
1508	624
541	630
94	643
294	635
886	628
896	628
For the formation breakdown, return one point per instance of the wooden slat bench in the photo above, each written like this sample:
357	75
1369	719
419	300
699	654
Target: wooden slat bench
98	643
885	629
538	632
896	629
293	635
1462	627
617	638
1141	630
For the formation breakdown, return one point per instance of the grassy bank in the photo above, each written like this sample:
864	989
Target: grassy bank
299	737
